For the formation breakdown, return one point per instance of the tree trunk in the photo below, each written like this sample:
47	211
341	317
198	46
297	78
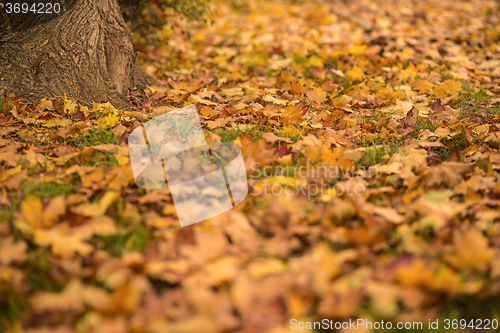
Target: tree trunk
85	51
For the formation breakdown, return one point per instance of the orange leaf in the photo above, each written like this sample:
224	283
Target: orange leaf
294	113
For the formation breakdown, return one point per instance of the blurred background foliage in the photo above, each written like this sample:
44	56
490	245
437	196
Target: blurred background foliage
147	17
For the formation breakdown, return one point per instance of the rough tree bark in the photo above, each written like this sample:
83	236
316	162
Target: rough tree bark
85	52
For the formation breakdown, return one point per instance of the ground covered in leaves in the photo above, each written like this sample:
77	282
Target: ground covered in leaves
370	132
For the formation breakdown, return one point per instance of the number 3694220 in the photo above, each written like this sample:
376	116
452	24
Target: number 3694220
35	8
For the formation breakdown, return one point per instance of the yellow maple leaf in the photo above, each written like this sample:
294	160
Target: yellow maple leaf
69	105
31	208
62	243
355	73
109	120
471	249
34	216
449	87
422	86
317	95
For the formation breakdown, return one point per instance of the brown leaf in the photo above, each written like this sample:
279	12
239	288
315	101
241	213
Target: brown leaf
6	121
78	116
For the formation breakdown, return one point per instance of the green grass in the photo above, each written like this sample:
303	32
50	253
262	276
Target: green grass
115	244
96	136
139	239
135	238
372	154
343	82
368	119
6	213
48	189
7	216
39	275
228	135
470	100
365	142
12	306
131	236
457	142
421	125
99	159
40	271
99	136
